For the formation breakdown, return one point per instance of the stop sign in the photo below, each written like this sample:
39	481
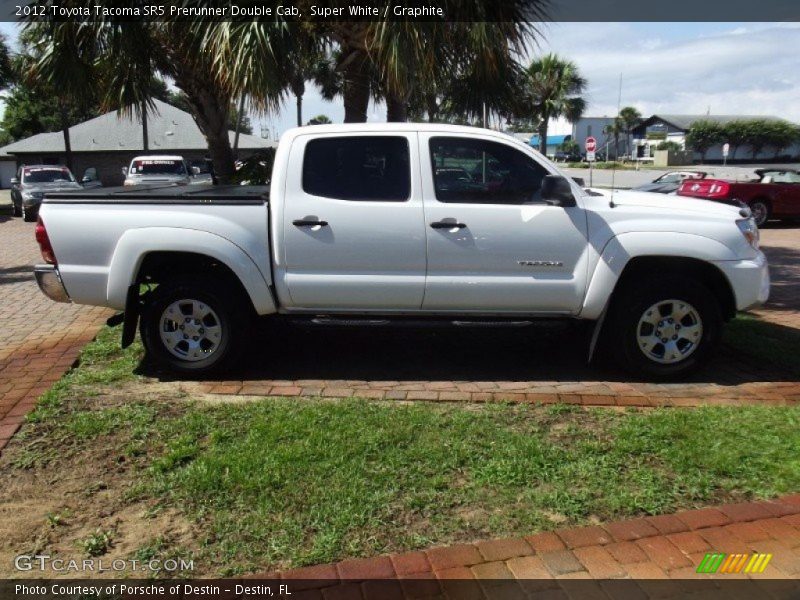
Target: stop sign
591	144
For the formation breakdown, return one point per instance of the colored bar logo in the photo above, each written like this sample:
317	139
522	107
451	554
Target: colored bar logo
717	562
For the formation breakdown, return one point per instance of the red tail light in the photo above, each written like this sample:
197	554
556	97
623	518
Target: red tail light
44	243
705	188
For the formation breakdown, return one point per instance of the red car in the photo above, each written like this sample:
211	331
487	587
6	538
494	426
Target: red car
774	195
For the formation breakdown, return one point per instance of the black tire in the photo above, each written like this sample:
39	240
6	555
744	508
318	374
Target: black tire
633	301
227	308
762	211
29	215
17	208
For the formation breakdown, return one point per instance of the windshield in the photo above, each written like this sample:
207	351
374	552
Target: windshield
46	175
157	167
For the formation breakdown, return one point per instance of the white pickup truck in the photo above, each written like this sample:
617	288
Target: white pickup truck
368	224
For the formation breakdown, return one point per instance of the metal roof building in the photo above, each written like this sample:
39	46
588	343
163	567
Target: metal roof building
108	143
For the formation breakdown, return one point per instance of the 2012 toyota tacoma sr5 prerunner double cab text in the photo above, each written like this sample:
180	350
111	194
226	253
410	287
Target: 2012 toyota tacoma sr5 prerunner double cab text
368	224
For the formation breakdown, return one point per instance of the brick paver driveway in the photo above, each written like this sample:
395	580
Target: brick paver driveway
39	339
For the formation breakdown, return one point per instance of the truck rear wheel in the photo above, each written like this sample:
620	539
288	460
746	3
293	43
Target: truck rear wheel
192	327
664	327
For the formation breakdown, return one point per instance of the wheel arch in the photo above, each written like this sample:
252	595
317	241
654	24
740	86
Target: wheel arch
704	271
159	252
629	253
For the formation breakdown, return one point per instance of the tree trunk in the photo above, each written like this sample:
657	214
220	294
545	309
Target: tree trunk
543	136
299	111
432	108
238	128
210	112
65	130
356	89
396	108
299	89
145	141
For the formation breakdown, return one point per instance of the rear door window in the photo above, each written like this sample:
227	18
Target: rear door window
359	168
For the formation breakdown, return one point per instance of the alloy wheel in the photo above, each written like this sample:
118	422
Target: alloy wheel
669	331
190	330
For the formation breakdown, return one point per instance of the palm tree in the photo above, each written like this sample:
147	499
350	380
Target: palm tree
116	62
630	118
554	88
306	60
614	129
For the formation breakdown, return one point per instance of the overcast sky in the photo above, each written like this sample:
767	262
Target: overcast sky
678	68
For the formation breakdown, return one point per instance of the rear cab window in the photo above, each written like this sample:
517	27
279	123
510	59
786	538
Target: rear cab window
358	168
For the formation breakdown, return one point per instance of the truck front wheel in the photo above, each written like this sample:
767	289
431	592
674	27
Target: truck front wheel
191	327
664	327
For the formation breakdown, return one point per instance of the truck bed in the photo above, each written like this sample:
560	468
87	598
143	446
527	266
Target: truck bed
101	235
165	194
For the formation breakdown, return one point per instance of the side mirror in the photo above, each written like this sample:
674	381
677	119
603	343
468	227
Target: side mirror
580	181
14	181
557	191
195	170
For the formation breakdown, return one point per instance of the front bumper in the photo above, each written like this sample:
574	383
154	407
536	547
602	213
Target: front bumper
30	203
749	280
49	280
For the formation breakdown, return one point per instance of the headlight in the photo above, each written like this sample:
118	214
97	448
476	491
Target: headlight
749	230
32	195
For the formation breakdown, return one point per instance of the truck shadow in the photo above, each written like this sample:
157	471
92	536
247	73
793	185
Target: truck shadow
549	352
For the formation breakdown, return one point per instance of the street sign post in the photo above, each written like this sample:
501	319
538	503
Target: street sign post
591	146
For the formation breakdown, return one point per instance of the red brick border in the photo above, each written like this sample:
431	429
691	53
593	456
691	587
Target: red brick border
768	394
667	546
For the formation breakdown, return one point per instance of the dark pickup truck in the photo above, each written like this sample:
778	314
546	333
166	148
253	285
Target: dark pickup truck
774	195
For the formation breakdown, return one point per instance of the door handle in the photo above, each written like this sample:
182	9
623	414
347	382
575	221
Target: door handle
309	223
448	225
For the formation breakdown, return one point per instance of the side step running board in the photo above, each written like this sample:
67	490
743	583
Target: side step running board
492	323
350	322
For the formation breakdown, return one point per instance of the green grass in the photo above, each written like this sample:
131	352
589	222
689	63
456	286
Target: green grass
289	482
314	482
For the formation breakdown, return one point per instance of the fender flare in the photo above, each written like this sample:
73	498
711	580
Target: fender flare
135	244
620	249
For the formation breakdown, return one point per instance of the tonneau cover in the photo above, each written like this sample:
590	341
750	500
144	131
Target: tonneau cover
164	194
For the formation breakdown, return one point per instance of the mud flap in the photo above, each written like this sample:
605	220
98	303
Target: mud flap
598	327
131	315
